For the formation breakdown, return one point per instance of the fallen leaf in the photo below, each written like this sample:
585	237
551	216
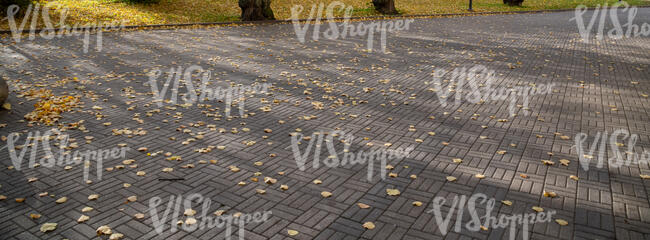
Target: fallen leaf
326	194
506	202
363	205
317	181
457	160
292	232
392	192
562	222
6	106
83	218
62	200
104	230
369	225
116	236
451	178
565	162
550	194
538	209
574	177
34	216
547	162
93	197
132	198
260	191
417	203
479	176
46	227
86	209
189	212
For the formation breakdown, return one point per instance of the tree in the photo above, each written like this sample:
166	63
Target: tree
385	6
513	2
256	10
4	90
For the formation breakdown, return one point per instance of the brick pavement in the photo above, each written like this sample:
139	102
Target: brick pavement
591	79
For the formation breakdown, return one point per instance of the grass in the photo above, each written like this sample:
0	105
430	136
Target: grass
186	11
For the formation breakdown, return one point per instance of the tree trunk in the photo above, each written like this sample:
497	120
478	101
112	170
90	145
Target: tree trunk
385	6
513	2
256	10
4	90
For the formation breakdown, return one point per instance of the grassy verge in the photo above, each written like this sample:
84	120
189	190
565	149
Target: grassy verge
186	11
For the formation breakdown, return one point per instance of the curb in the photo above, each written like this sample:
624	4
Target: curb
268	22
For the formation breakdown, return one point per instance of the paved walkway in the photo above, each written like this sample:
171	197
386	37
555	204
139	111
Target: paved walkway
598	86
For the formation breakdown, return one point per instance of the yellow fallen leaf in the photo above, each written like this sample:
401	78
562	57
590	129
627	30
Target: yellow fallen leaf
292	232
369	225
317	181
457	160
506	202
132	198
190	221
116	236
417	203
83	218
140	173
86	209
537	209
62	200
550	194
47	227
574	177
392	192
479	176
644	176
451	178
189	212
93	197
326	194
565	162
562	222
547	162
284	187
168	169
363	205
260	191
106	230
34	216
